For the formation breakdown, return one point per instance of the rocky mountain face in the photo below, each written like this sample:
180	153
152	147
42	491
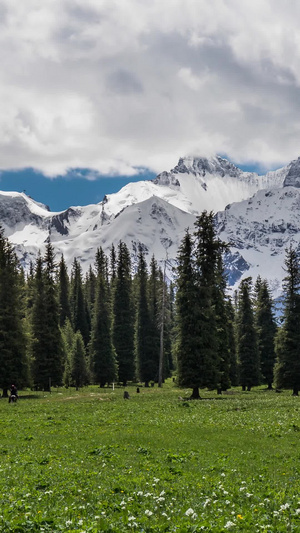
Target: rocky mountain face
258	215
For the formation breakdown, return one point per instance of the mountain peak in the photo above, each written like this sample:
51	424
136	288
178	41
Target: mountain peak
198	166
204	165
293	176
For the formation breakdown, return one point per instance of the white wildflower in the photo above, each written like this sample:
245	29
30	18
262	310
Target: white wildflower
229	524
284	507
189	512
148	513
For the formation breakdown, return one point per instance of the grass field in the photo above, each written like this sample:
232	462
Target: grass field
90	461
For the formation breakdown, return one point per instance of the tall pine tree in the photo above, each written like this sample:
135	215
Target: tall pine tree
145	358
189	361
287	345
102	352
78	303
266	330
247	349
46	345
13	362
63	292
123	316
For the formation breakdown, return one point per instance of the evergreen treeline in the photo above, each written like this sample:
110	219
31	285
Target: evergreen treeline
60	328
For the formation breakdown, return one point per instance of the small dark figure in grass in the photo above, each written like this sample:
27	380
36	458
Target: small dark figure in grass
126	395
137	389
13	394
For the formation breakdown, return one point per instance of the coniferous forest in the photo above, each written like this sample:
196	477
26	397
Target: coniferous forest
112	326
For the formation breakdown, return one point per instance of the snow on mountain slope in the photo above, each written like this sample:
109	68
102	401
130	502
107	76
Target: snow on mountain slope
153	224
196	184
154	215
259	230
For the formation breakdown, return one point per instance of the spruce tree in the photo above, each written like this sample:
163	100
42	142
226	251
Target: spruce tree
231	329
78	303
223	327
78	366
145	358
189	360
63	292
266	330
287	343
247	349
209	281
13	361
46	346
113	264
102	352
154	305
68	341
123	316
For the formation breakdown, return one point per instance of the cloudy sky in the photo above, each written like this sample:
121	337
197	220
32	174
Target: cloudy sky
119	87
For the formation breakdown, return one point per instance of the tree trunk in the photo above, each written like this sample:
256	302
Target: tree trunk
4	395
295	391
219	391
243	388
249	388
195	394
146	383
270	386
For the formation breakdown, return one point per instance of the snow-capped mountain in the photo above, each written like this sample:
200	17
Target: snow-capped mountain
196	184
261	228
260	220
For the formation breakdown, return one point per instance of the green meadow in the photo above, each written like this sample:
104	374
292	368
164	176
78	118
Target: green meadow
90	461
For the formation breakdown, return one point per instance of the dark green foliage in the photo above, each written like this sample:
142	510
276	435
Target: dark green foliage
146	358
102	352
266	330
78	303
68	340
123	312
247	349
189	364
78	366
101	264
287	346
113	264
154	302
233	367
202	341
13	362
63	293
223	327
165	322
46	346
